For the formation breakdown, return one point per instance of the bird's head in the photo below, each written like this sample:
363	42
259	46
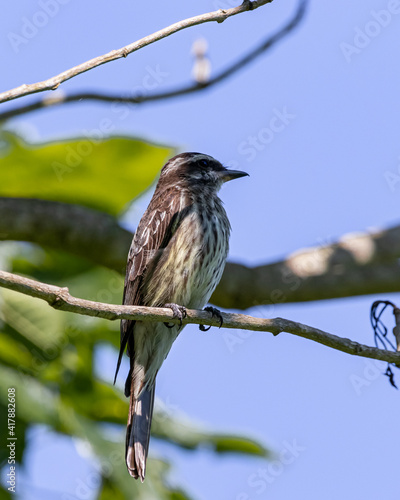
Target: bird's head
198	171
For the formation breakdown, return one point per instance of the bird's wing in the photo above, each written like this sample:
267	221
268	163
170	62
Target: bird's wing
153	234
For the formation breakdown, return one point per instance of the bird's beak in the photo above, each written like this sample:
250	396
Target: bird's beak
229	175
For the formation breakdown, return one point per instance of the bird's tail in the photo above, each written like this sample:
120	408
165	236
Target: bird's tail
138	431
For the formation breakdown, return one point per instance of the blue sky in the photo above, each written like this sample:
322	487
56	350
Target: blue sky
330	170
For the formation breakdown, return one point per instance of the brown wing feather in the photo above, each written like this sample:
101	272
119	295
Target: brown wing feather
155	229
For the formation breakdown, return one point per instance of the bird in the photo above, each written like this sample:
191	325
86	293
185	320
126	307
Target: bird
176	260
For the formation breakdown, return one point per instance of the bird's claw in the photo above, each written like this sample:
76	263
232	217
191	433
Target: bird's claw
216	313
178	312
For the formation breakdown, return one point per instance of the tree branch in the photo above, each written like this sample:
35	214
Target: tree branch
190	88
360	264
59	298
63	226
54	82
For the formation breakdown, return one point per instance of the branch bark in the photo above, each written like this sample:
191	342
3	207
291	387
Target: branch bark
71	228
359	264
59	298
54	82
269	42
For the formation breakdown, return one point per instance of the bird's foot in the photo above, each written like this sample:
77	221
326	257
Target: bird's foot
216	313
178	312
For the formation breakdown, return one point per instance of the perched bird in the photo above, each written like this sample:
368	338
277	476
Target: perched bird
176	260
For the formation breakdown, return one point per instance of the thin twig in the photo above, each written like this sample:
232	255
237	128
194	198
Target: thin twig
60	298
54	82
242	62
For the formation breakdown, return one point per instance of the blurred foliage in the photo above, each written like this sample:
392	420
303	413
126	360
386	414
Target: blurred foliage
49	356
102	174
47	264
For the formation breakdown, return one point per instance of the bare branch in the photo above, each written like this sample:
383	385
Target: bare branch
54	82
59	298
242	62
359	264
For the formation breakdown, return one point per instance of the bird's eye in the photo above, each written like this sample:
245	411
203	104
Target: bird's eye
203	163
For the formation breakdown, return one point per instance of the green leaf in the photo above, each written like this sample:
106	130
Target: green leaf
34	402
45	264
98	284
14	353
236	444
37	325
110	491
5	494
103	174
187	434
